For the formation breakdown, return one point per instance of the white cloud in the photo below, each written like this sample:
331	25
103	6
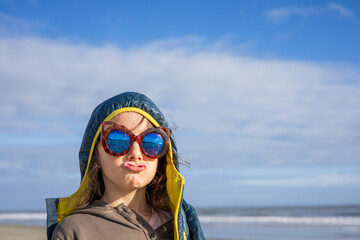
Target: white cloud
309	181
280	14
9	165
284	176
340	9
10	25
257	111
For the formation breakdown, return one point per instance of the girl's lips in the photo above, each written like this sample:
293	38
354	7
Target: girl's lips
135	168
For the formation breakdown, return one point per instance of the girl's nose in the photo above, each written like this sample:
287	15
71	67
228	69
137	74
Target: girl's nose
135	152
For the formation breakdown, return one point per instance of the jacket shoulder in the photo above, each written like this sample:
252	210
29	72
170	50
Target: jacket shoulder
67	228
193	222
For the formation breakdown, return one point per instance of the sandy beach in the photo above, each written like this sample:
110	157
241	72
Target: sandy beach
16	232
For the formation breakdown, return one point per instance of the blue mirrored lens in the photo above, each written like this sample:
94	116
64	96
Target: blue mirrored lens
153	144
118	141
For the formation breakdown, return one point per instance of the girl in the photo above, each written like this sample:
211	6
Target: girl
130	185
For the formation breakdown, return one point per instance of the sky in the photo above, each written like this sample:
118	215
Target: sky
264	95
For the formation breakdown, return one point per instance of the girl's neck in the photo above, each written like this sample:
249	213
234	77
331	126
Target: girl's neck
134	199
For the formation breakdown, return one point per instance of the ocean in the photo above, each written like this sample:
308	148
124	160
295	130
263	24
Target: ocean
255	223
282	223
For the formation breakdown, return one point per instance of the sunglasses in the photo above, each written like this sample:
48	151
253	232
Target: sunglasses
117	140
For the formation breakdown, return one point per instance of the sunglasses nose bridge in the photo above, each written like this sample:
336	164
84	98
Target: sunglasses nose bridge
137	139
135	152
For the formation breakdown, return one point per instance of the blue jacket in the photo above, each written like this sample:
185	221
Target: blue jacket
186	224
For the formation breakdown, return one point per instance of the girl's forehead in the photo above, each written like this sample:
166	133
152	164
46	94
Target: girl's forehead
133	121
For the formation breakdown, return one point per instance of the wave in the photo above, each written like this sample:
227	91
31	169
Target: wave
332	221
22	216
326	221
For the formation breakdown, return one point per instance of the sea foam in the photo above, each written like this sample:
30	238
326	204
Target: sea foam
333	221
22	216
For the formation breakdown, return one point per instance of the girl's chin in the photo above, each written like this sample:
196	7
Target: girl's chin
128	182
134	184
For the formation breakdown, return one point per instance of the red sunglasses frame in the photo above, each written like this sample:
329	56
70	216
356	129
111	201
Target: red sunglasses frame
107	127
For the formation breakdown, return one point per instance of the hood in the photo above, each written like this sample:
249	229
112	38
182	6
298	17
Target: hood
128	101
125	102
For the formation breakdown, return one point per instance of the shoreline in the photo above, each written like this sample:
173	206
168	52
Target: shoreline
20	232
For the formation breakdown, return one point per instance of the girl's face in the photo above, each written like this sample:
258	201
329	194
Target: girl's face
133	170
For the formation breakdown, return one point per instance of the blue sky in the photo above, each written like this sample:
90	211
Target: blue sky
265	94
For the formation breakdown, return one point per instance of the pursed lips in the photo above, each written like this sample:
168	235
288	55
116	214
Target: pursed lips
135	167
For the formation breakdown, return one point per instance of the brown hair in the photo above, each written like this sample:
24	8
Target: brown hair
156	194
96	187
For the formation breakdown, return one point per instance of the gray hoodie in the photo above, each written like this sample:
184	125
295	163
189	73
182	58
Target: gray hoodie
100	220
